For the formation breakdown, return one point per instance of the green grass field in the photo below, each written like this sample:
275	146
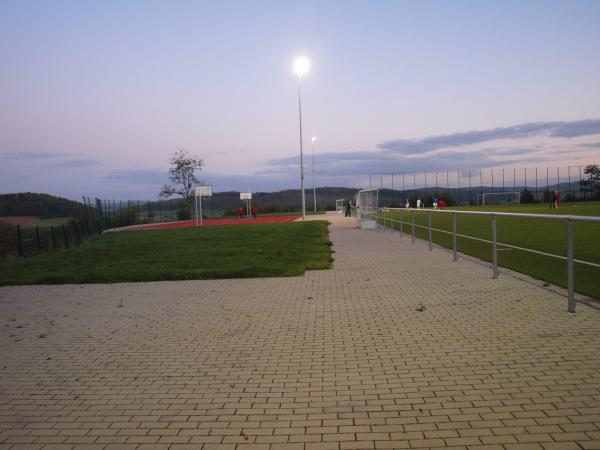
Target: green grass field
547	236
260	250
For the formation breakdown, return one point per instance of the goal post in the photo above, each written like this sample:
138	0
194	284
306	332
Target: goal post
501	198
367	202
339	206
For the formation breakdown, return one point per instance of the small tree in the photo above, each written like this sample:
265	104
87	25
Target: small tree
591	185
182	174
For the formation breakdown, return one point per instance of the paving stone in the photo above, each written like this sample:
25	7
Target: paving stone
334	359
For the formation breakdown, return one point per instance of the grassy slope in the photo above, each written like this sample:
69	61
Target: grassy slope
537	234
259	250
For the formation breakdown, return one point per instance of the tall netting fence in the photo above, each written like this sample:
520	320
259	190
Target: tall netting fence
470	186
121	213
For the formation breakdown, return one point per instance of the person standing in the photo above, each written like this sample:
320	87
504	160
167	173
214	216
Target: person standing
348	209
557	199
241	212
254	210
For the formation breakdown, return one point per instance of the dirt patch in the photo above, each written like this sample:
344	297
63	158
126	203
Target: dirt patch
23	221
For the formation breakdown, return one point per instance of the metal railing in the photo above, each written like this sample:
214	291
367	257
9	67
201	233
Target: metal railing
385	215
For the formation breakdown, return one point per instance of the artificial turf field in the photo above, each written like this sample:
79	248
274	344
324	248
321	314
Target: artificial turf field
547	236
254	250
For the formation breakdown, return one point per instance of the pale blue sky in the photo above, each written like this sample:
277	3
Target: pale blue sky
95	95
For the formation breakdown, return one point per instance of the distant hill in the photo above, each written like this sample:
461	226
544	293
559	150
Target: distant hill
44	206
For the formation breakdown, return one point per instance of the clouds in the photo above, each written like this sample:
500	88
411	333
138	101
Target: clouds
50	159
29	156
519	145
156	177
431	143
525	145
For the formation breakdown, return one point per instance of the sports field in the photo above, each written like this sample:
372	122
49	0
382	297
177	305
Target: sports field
255	250
548	236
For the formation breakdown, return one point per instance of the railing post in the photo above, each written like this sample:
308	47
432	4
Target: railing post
454	254
413	226
429	220
494	248
391	222
570	271
401	224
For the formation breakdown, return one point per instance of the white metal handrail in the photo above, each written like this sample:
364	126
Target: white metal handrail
569	220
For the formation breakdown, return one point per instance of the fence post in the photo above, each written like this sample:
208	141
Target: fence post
413	226
401	220
64	230
37	239
19	241
454	254
494	248
53	237
391	222
429	220
570	271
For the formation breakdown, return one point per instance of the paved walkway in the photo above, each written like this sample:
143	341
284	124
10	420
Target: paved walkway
341	359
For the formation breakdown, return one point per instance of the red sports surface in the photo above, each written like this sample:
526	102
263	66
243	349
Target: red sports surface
215	222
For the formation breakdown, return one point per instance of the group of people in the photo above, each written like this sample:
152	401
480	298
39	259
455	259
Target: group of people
242	211
436	203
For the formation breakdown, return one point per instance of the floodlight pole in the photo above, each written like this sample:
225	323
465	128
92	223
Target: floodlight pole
301	155
313	177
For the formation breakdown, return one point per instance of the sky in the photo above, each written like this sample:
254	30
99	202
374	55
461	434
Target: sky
94	96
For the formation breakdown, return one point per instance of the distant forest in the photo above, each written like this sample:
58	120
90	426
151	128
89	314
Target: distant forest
288	200
44	206
48	206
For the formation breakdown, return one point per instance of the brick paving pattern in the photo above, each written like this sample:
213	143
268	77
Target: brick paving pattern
337	359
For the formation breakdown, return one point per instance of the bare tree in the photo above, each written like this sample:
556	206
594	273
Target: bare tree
182	175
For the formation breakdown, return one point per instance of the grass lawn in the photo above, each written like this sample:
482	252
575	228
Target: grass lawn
261	250
538	234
